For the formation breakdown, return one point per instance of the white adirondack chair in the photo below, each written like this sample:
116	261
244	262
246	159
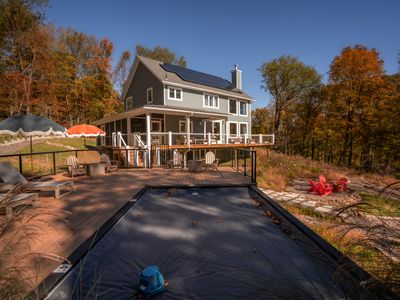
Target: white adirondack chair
74	167
177	160
211	161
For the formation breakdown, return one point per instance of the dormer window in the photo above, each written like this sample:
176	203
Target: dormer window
211	101
174	94
129	103
149	94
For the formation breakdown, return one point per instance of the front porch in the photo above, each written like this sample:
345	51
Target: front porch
156	126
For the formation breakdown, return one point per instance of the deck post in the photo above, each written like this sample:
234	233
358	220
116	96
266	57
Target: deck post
188	130
128	131
148	139
209	138
169	138
260	138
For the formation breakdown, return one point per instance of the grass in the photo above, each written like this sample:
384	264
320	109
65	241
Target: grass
380	205
42	164
276	170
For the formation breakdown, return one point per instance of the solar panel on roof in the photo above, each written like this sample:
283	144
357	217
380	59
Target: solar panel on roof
198	77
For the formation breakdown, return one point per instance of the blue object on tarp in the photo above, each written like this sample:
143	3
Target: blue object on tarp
151	281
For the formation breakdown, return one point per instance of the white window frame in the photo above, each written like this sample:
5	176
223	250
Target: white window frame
184	122
229	106
247	128
175	89
208	106
247	108
229	129
129	99
152	95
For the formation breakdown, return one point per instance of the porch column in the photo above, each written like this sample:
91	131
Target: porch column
148	127
128	131
188	130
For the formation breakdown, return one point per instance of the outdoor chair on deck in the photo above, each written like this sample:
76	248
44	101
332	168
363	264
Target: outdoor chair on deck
177	160
211	162
111	165
74	167
10	176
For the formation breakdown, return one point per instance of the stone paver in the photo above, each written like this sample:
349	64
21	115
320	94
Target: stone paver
299	200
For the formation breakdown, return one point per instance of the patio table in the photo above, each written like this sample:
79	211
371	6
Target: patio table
96	169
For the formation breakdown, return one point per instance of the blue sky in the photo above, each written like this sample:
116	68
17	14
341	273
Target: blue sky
215	35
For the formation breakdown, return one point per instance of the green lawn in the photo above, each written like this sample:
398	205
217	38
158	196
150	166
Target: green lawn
380	206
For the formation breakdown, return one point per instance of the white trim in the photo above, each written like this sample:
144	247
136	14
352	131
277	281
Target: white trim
126	103
228	128
207	91
175	89
247	127
247	109
211	95
229	106
152	95
184	122
220	129
144	109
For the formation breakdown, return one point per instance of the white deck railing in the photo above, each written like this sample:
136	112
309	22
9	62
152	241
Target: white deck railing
137	139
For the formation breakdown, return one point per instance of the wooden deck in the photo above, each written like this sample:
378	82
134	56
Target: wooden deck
95	200
219	146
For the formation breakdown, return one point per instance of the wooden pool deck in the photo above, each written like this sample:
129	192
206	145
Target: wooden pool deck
95	199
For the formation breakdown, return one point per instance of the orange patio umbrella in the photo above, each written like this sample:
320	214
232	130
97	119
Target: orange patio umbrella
85	130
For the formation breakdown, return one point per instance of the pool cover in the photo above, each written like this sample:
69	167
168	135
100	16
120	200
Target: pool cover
209	243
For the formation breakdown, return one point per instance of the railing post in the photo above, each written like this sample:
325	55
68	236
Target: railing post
20	163
54	163
76	153
209	138
260	138
273	139
169	138
244	158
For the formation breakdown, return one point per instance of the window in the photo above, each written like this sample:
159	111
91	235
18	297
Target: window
211	101
182	126
233	128
149	95
129	103
233	107
243	108
243	128
174	94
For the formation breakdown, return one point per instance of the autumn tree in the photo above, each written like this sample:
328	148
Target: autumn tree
262	120
162	54
287	79
357	87
24	46
120	72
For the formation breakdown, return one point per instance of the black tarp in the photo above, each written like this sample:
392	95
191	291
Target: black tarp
209	243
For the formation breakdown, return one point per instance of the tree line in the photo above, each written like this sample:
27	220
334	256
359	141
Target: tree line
351	120
61	73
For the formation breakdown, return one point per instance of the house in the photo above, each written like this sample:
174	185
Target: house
168	105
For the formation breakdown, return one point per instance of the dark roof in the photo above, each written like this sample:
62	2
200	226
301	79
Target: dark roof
199	77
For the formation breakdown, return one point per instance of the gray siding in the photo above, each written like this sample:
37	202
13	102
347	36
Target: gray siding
194	99
143	80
